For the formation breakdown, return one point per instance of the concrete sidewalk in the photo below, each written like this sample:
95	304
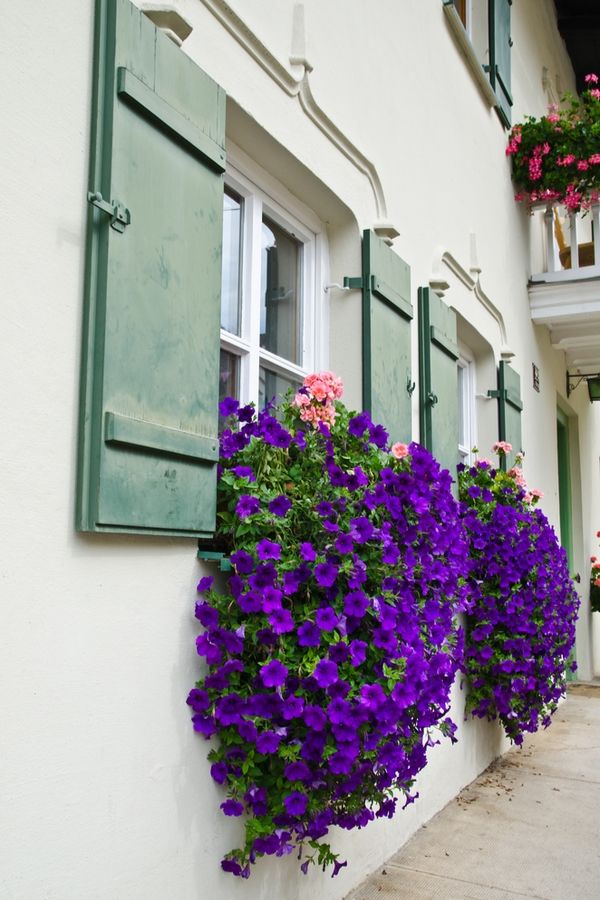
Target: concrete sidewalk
529	826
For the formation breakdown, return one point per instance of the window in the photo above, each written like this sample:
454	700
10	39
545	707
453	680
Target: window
271	279
467	430
482	30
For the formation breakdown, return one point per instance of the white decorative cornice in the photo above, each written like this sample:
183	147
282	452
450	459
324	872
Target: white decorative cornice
295	83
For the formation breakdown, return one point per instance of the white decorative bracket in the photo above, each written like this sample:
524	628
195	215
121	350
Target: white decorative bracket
168	20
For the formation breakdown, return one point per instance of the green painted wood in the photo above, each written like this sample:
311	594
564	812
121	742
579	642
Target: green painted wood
386	319
135	91
564	484
148	436
500	43
509	412
438	403
149	394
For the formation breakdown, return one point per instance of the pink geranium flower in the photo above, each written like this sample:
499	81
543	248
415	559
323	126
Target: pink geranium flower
399	450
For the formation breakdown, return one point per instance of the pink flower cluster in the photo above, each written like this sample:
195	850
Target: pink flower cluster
501	447
399	450
316	398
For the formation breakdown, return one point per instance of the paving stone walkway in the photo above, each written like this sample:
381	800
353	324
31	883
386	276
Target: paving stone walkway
529	826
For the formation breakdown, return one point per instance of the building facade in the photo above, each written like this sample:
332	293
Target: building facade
206	196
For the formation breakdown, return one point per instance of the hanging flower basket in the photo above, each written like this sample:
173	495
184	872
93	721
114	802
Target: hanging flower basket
523	605
556	159
332	648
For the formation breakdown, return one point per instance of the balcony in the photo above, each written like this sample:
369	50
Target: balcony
565	294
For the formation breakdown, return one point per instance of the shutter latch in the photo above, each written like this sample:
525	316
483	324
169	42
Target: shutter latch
119	214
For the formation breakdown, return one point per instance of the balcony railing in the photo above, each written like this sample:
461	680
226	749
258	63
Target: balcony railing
570	246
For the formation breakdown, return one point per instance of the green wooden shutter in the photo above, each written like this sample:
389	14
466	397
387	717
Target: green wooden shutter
500	44
438	389
509	411
148	432
386	322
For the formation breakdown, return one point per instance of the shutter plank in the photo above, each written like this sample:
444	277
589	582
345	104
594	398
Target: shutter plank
387	315
438	353
509	412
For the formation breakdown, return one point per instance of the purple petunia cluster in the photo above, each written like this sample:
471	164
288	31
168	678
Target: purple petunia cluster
332	648
523	606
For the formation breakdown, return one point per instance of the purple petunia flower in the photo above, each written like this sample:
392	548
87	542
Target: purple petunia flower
359	424
325	508
309	635
356	604
326	618
273	674
219	772
247	730
326	574
314	717
271	598
205	584
244	472
281	621
379	436
198	700
246	506
205	725
243	562
344	543
268	742
297	771
207	615
325	673
232	808
307	551
266	549
280	505
372	696
228	407
295	803
358	652
293	707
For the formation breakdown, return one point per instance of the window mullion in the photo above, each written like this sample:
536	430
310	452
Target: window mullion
252	286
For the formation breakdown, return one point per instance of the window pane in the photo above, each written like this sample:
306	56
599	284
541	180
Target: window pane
271	384
229	369
280	292
232	247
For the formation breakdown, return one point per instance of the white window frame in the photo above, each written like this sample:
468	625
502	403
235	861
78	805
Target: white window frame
466	400
263	195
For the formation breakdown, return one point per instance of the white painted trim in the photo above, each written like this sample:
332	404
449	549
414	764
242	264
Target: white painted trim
264	195
296	84
464	42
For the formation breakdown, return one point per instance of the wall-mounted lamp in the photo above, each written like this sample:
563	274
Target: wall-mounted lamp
593	383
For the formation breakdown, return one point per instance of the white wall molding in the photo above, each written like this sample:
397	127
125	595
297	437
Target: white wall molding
295	83
438	282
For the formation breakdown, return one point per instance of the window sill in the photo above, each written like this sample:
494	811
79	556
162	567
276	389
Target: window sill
464	42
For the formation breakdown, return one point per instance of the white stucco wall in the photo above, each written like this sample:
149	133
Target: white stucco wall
106	793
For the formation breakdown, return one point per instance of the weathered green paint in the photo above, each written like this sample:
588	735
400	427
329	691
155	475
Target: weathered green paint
438	353
386	322
509	412
147	459
500	43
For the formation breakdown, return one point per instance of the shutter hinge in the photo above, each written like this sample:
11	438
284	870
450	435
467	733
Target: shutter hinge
119	214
